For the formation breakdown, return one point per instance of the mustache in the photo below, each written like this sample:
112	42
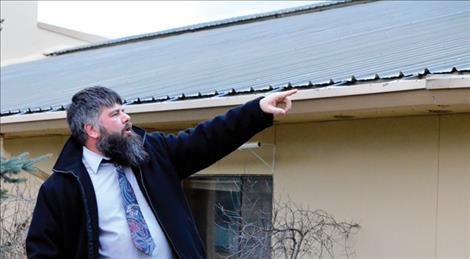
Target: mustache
127	127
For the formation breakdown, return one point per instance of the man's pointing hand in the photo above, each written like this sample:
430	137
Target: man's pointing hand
277	103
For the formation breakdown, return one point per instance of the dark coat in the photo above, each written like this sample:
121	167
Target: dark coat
65	219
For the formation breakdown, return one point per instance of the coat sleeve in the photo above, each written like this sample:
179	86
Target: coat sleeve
196	148
43	240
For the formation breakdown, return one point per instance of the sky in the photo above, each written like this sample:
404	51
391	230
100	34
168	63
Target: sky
116	19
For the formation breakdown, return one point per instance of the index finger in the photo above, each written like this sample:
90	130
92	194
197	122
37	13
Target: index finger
289	93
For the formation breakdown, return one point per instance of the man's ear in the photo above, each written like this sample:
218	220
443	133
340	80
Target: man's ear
91	131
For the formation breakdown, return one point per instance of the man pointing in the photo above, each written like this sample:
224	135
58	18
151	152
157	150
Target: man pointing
116	189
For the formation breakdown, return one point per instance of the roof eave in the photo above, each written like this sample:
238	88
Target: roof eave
435	94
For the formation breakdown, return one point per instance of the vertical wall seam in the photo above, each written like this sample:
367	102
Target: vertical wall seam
436	221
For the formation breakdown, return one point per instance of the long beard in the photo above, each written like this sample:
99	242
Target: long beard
124	150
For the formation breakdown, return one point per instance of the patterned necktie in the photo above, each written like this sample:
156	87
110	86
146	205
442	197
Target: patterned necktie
135	220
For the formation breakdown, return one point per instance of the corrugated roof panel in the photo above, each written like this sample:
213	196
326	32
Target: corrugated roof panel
383	38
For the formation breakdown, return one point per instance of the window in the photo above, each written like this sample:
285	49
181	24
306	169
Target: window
223	206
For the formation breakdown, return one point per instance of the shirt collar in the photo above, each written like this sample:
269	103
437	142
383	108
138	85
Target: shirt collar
92	159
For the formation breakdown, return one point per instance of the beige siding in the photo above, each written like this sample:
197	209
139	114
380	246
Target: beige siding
37	146
385	174
453	205
380	173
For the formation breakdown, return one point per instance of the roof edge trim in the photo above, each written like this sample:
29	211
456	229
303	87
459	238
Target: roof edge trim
401	85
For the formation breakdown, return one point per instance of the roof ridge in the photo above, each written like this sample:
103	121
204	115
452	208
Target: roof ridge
216	24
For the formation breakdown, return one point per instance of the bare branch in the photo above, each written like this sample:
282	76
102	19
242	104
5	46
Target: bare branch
290	231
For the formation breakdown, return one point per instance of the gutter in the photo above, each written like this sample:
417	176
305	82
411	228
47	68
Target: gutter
434	92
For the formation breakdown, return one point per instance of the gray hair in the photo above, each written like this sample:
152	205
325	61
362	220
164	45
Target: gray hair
86	107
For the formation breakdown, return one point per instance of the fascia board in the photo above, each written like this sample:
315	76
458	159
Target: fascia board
311	95
214	102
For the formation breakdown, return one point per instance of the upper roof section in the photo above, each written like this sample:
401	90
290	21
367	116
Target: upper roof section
317	7
362	40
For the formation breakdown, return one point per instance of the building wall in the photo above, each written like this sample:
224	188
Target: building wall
453	204
36	146
405	180
21	38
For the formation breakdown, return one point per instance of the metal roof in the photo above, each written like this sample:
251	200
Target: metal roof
211	25
367	41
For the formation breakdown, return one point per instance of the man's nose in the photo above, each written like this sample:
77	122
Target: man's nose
126	117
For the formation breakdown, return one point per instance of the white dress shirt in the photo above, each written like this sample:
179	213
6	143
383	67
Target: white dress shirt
114	235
